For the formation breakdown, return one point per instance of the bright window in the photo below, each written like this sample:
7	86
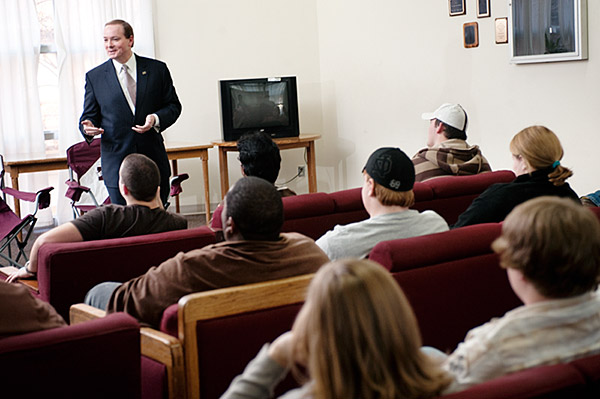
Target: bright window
48	74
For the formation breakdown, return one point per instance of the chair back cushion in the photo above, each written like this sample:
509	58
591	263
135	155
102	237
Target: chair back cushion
432	249
554	382
227	344
67	271
95	359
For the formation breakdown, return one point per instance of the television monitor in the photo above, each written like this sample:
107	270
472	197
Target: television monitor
267	104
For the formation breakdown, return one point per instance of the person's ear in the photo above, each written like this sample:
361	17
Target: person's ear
230	228
370	186
439	129
124	190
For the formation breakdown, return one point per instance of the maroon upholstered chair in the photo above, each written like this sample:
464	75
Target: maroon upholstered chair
552	382
96	359
453	280
222	330
67	271
432	249
315	214
595	210
452	195
589	367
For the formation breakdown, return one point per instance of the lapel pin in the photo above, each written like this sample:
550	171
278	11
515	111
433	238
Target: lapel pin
143	72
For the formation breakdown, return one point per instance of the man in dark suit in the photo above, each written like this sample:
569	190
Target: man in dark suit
129	100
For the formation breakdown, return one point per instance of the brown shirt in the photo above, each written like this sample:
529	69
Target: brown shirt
221	265
115	221
21	312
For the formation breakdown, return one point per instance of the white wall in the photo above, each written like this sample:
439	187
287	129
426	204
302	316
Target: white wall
366	72
385	62
205	41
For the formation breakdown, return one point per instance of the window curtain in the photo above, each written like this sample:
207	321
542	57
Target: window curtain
539	24
79	28
21	128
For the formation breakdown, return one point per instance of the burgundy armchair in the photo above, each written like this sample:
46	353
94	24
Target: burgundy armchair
96	359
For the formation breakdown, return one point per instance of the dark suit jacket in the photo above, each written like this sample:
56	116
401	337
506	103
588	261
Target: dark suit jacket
105	106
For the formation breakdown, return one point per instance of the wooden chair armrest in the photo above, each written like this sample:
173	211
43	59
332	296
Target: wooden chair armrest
81	312
155	345
166	350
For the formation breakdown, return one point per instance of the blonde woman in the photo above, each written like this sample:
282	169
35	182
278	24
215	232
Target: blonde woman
536	153
356	336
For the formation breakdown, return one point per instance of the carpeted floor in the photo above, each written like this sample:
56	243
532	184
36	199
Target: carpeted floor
194	220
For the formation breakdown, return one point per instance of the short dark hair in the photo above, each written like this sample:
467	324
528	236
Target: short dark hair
256	209
141	176
555	243
127	29
259	156
452	132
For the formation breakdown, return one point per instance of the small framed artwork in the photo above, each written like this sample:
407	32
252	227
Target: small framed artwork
456	7
483	8
470	34
501	29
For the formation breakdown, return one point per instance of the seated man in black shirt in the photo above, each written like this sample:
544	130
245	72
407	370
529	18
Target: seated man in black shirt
259	156
139	183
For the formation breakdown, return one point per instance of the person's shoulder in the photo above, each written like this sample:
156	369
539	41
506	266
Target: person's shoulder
176	219
12	290
100	69
296	237
152	62
100	210
429	214
453	143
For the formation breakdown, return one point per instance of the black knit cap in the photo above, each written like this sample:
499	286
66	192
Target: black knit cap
391	168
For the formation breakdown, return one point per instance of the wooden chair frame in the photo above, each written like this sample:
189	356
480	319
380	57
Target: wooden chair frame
180	356
226	302
155	345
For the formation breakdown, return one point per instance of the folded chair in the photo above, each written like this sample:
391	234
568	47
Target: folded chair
85	177
12	227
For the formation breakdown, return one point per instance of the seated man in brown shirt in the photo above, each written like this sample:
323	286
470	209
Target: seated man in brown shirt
139	182
22	313
254	250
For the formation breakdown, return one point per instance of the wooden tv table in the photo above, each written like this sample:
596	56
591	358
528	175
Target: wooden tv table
303	141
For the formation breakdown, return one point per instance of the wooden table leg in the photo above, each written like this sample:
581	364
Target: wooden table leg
223	171
206	187
175	173
14	178
312	165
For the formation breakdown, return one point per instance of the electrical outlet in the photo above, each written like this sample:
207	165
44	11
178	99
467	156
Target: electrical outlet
301	171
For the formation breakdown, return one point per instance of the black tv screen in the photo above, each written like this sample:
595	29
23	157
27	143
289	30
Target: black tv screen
267	104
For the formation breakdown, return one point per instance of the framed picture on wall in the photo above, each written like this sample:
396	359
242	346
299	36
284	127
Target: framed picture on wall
470	34
483	8
548	30
456	7
501	30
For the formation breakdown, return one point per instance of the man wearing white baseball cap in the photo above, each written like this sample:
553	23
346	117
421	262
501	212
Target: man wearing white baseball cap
447	151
